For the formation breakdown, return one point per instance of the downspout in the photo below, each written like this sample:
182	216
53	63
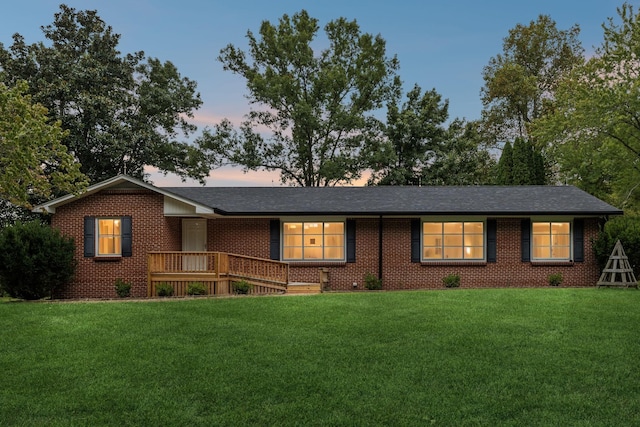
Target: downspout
380	248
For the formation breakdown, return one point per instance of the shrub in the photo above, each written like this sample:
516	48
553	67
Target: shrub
627	230
164	290
451	280
555	279
196	288
123	289
242	287
372	282
35	260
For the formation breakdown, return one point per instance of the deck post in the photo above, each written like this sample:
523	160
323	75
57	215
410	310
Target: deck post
148	275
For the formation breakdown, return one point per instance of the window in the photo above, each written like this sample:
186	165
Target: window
551	240
453	240
313	241
109	237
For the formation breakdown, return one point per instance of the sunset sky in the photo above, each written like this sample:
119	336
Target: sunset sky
440	44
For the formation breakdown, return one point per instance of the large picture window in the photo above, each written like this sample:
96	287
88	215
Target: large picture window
453	240
551	240
313	240
109	237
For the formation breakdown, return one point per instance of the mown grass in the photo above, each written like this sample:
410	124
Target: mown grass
547	357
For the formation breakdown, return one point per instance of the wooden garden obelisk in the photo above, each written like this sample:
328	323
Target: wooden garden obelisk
618	271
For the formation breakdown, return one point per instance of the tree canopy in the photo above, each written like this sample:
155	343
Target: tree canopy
121	112
463	157
594	131
520	83
313	120
413	133
33	161
419	149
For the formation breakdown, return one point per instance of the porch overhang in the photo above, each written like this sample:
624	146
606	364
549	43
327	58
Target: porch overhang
174	206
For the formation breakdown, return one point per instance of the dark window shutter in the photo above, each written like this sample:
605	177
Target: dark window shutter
492	248
415	240
127	240
351	240
525	240
274	239
578	240
89	236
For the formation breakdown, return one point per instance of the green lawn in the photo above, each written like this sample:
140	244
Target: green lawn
547	357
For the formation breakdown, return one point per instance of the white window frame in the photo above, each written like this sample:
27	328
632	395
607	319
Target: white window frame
444	220
550	221
97	236
284	221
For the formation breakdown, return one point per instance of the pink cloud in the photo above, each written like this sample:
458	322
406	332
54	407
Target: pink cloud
229	176
223	177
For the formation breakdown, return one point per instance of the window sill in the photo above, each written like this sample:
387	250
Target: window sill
549	263
455	263
316	263
107	259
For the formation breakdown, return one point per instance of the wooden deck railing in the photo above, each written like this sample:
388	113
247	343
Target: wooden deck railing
258	269
216	271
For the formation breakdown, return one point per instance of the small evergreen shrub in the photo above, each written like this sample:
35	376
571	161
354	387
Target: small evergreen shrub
555	279
241	287
196	288
123	289
164	290
372	282
451	280
35	260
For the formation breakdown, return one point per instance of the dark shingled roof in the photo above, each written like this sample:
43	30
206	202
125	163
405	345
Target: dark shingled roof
393	200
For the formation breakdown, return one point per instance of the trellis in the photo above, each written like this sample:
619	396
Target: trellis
618	271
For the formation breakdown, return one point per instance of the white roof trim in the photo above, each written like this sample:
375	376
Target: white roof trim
50	206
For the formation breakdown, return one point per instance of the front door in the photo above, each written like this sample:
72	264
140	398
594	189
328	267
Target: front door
194	239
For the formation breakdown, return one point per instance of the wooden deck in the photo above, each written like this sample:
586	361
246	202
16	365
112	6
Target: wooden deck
217	271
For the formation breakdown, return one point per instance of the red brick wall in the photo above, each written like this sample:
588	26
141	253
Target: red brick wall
509	271
248	237
398	270
151	231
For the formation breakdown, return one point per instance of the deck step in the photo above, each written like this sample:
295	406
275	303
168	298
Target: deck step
304	288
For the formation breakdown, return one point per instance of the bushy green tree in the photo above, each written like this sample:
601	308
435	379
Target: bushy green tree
462	158
33	160
413	132
314	115
520	82
418	148
121	112
594	131
35	260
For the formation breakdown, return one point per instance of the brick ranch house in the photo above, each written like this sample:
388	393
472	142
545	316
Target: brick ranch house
410	237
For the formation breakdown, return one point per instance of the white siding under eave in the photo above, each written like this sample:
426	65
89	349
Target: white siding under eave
173	207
